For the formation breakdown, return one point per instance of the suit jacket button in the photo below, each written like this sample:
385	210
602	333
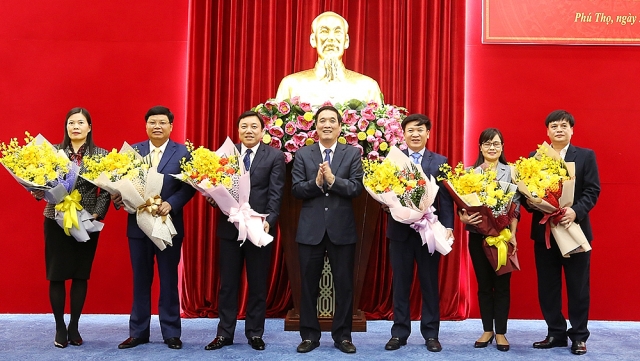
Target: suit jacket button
326	209
326	194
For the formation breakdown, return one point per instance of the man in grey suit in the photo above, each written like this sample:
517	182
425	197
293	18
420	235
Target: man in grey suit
327	176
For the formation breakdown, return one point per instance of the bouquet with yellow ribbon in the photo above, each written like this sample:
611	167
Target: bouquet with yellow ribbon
38	165
549	182
218	175
130	175
478	191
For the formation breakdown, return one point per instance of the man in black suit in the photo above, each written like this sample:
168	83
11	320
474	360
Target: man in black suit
405	247
175	194
327	176
549	262
266	171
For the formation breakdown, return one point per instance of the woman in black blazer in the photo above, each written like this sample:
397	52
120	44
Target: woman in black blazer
493	290
65	257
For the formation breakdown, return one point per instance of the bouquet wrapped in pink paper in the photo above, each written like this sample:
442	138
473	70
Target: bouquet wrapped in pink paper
403	186
549	182
218	175
129	174
38	165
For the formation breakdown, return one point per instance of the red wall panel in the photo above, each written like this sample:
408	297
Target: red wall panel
513	88
117	59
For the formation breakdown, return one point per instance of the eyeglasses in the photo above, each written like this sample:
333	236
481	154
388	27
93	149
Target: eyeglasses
153	124
487	145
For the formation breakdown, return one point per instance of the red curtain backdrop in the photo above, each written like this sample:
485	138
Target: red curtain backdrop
238	53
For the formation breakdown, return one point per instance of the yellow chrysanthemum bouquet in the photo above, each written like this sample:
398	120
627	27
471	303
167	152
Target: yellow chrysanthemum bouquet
549	182
403	187
131	175
220	176
38	165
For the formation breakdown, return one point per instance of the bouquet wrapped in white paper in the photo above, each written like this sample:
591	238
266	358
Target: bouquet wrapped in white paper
218	175
409	193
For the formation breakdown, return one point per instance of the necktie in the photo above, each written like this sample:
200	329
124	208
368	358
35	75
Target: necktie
247	160
155	159
327	155
416	157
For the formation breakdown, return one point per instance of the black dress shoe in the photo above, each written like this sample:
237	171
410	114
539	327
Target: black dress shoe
502	347
578	347
394	343
74	337
76	342
133	342
550	342
219	342
61	339
481	344
174	343
307	345
256	343
433	345
345	346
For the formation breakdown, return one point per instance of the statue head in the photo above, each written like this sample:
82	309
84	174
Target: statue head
329	35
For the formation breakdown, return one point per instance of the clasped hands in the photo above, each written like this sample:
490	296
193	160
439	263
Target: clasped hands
325	175
475	218
567	219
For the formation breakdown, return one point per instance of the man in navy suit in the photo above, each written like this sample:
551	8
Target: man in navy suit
549	262
405	247
327	176
266	171
175	194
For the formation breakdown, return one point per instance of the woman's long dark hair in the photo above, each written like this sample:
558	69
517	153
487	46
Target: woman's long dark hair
487	135
67	140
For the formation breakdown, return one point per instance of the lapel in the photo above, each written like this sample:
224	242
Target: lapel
166	155
260	153
501	172
316	157
571	154
143	148
427	156
337	157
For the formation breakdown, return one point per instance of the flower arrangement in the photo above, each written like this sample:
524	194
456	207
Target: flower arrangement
36	163
117	165
409	195
219	176
542	175
208	169
371	127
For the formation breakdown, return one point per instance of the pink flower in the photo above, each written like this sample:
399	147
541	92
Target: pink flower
295	100
373	155
376	145
276	142
276	131
284	108
288	157
381	122
303	123
367	113
268	121
305	106
314	134
378	134
393	113
353	128
373	105
350	117
403	146
290	128
363	124
370	138
299	139
359	147
352	138
291	146
270	105
328	102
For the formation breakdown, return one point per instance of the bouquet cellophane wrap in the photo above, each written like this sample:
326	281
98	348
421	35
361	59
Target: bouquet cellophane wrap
570	240
422	216
492	254
82	223
248	222
159	229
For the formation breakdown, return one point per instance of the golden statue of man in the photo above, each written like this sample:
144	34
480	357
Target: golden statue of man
329	79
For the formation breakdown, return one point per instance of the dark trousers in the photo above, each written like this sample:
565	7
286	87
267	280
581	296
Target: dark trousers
549	266
403	255
232	259
494	292
143	254
341	259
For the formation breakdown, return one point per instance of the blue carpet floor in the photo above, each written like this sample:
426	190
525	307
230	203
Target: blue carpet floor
30	337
